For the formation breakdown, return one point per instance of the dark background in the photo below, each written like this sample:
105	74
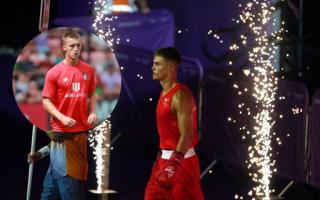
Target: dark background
19	24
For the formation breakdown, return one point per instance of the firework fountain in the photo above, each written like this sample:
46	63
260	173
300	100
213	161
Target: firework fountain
256	16
99	137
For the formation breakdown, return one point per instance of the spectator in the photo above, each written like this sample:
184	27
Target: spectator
34	94
110	83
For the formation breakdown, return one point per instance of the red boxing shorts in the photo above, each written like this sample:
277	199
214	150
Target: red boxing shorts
187	186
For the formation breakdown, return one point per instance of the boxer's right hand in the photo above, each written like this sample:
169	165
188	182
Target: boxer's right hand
169	173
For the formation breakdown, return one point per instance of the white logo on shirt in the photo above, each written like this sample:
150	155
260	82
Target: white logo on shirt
85	76
165	101
76	86
65	79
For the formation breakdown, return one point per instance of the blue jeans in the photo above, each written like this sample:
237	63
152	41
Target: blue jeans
67	188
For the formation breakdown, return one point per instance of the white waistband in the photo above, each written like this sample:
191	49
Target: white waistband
122	8
166	154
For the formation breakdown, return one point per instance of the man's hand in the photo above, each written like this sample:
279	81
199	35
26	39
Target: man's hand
168	174
52	110
92	119
34	157
68	121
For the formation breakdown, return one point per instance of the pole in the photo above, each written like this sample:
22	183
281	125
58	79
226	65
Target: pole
44	15
33	143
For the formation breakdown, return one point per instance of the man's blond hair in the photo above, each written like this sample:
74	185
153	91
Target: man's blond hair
70	34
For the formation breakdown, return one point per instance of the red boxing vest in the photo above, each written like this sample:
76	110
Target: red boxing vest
167	121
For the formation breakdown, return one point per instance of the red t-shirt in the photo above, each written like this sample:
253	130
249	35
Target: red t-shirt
68	88
167	121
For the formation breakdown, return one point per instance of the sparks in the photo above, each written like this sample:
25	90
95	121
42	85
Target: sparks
102	23
99	139
296	110
256	15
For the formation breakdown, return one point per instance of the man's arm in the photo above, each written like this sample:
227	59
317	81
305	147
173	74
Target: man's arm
52	110
182	104
93	103
92	119
41	153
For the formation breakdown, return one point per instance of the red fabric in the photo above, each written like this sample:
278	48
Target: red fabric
68	88
36	114
120	2
167	122
186	187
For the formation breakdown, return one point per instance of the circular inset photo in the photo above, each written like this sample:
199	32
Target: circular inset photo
66	80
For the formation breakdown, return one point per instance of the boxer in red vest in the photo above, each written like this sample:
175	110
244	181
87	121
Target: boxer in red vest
176	172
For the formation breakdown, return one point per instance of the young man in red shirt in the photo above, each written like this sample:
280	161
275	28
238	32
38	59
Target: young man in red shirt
176	173
68	96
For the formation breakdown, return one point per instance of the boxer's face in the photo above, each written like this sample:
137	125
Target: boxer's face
161	68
